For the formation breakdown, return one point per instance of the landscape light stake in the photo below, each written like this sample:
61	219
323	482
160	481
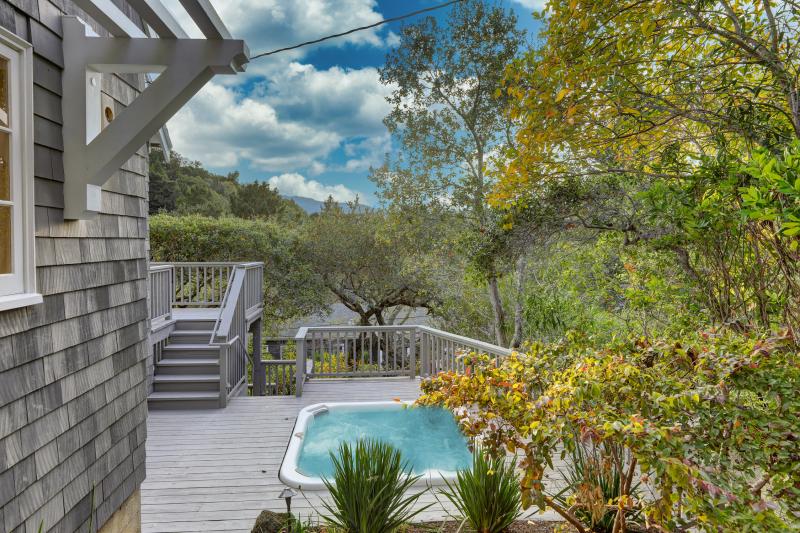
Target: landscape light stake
287	494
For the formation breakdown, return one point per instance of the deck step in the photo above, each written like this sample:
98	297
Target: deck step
183	400
186	382
189	351
188	365
195	325
190	336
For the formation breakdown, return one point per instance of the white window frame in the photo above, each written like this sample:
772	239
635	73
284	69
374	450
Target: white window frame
18	289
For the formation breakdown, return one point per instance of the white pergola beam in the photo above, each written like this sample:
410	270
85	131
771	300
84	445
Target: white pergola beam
111	18
159	18
92	156
206	18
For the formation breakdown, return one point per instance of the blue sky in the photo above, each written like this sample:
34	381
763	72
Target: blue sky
308	121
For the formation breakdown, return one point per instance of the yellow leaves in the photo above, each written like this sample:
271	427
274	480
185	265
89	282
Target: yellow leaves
571	111
561	94
647	27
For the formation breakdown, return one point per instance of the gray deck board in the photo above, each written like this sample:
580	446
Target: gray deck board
216	470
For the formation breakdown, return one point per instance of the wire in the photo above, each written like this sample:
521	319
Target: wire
348	32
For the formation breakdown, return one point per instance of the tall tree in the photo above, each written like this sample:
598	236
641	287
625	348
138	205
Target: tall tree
448	117
661	108
358	259
163	188
256	200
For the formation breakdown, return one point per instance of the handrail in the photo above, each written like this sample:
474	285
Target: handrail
227	311
487	347
194	263
161	291
482	346
242	295
203	284
349	351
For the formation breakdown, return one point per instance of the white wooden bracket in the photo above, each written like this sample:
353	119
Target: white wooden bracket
92	154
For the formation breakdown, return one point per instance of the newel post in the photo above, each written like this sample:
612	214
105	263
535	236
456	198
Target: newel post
425	367
259	372
412	355
223	374
300	370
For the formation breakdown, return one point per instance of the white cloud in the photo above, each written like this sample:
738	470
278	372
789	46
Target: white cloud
220	128
365	153
293	122
284	117
270	24
353	101
293	184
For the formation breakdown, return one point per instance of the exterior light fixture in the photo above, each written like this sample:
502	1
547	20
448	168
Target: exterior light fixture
287	495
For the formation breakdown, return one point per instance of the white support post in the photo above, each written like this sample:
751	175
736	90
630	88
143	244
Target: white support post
412	356
425	367
92	156
300	368
224	354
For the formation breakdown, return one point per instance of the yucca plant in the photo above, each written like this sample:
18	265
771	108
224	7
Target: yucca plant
368	489
488	495
592	480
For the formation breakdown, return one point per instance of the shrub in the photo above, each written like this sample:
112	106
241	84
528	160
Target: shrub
368	489
592	479
709	423
488	495
291	290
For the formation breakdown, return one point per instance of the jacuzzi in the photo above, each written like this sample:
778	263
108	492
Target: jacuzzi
427	437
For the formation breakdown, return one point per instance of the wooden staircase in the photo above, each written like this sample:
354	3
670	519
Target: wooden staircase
200	317
187	376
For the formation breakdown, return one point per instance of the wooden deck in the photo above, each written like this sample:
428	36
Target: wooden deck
216	470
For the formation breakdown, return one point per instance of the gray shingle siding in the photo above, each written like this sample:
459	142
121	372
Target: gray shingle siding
73	369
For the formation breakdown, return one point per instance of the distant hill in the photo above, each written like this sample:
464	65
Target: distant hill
311	206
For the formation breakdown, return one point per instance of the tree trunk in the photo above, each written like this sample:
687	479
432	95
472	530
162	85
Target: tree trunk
497	311
519	289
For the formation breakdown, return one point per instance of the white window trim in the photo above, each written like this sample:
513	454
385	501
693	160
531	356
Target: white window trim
22	173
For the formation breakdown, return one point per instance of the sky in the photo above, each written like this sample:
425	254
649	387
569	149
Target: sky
308	121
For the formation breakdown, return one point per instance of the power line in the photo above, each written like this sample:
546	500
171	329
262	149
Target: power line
354	30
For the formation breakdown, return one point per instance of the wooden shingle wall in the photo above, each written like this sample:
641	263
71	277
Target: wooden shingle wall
73	370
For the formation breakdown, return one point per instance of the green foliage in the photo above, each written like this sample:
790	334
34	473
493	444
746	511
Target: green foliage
368	489
363	260
633	119
591	481
260	200
298	525
448	117
710	423
487	495
185	187
290	351
291	289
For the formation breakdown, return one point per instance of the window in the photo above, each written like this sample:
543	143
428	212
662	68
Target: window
17	263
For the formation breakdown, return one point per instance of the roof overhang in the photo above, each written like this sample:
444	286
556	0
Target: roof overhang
93	153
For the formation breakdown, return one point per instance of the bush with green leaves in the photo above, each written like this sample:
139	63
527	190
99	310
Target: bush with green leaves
488	495
368	489
591	480
709	422
291	289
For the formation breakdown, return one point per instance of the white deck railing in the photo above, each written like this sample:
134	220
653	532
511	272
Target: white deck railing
361	351
198	284
161	293
242	299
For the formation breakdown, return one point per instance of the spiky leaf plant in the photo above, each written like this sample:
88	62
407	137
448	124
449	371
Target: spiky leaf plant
487	495
368	489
